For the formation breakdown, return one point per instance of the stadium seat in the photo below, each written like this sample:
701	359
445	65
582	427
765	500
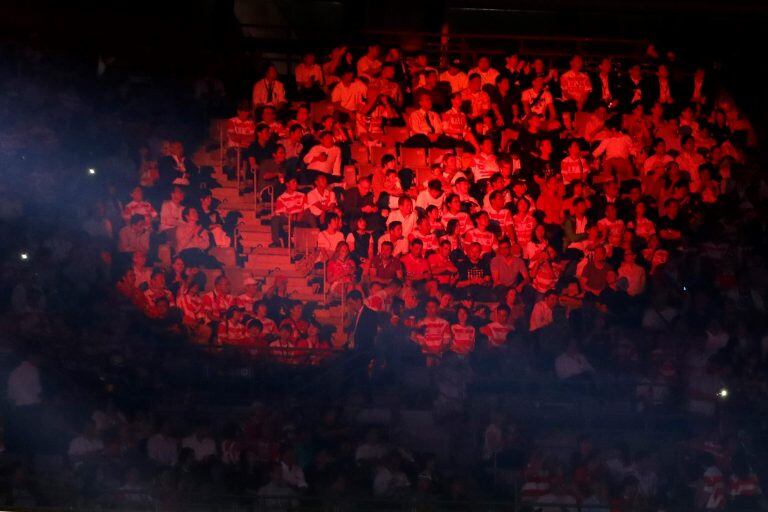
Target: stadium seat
379	151
436	155
413	157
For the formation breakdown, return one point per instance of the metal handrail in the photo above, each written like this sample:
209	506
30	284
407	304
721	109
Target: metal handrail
269	189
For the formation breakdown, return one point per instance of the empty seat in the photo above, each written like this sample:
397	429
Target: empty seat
413	157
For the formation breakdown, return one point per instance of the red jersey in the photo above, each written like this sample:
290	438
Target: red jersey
465	223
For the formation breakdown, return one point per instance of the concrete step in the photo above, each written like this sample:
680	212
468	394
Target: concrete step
270	251
253	226
268	261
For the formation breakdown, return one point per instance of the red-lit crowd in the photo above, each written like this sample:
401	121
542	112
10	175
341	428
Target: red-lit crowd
547	189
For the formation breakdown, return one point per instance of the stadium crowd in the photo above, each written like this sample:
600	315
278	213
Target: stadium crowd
602	229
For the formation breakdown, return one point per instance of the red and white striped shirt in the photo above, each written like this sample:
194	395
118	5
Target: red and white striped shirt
455	123
572	169
436	335
537	484
244	130
484	166
463	339
749	486
503	217
465	223
215	304
497	333
290	203
523	228
142	208
486	239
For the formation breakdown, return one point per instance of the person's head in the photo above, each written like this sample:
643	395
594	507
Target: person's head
222	285
308	59
599	255
456	100
387	248
605	66
519	187
576	63
291	184
388	161
505	247
295	311
139	259
579	206
334	222
190	215
269	115
502	313
388	71
286	333
395	230
462	187
486	146
537	84
523	206
688	143
474	82
373	51
482	220
432	307
177	265
672	208
425	102
342	250
177	195
663	71
364	185
496	198
474	252
484	63
243	110
326	139
347	75
271	73
435	188
157	280
406	205
610	211
502	84
137	222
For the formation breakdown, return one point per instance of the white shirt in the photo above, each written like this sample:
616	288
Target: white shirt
409	222
314	198
331	166
542	102
635	276
350	97
618	146
24	386
202	448
261	93
328	241
163	450
368	66
170	215
567	365
419	124
458	82
305	73
541	316
425	199
486	77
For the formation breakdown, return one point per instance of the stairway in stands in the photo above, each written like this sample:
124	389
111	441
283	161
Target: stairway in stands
261	261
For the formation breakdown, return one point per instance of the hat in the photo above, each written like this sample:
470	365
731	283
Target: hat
249	281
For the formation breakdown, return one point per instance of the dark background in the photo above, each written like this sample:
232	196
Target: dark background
173	38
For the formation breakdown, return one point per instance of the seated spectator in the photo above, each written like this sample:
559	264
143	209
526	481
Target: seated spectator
138	206
269	91
291	203
324	157
135	236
